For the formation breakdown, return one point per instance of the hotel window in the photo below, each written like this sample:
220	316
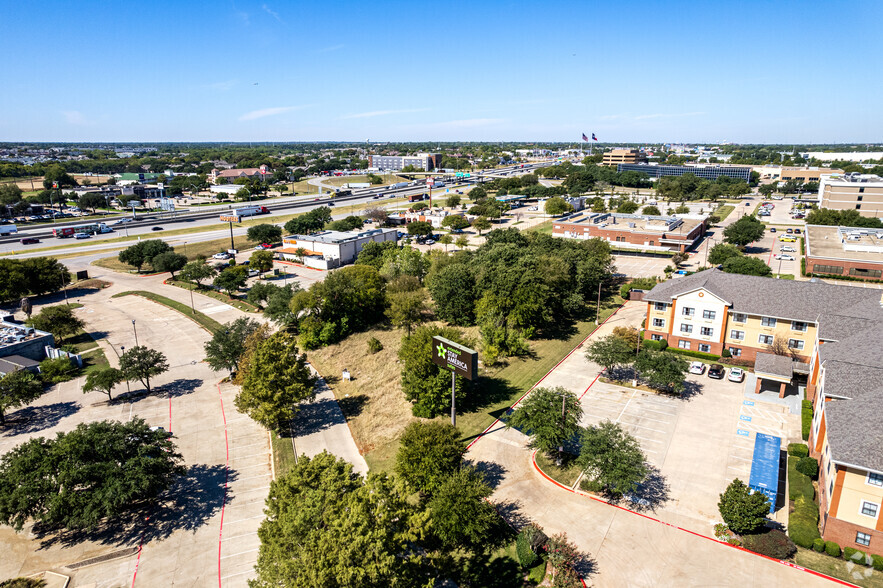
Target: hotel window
658	322
706	331
827	269
765	339
875	479
863	538
737	335
767	321
684	344
865	273
740	318
686	328
687	311
795	344
735	351
659	306
869	509
798	326
708	314
704	348
656	337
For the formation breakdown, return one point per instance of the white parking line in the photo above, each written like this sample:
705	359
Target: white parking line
647	418
254	477
239	536
647	439
624	408
251	445
253	489
239	574
240	553
648	428
248	456
660	411
739	458
246	519
257	465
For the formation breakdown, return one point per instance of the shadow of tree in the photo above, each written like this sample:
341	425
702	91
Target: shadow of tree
488	571
652	493
37	418
179	387
690	391
487	392
586	566
491	471
188	505
315	416
510	510
352	406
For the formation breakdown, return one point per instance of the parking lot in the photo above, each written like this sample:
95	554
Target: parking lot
634	266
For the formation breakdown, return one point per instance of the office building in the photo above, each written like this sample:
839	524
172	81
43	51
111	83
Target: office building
861	192
855	252
420	161
331	249
805	175
707	172
633	231
617	156
226	176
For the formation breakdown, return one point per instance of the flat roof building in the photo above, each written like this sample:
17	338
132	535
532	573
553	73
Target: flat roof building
617	156
633	231
331	249
19	340
421	161
707	172
861	192
856	252
805	175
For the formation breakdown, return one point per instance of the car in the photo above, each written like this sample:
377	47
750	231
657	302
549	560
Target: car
796	231
697	367
772	229
787	248
221	255
736	374
29	241
156	228
330	204
786	257
264	246
789	231
747	204
160	430
716	371
430	242
787	239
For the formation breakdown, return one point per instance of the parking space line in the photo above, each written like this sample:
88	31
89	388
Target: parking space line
245	519
239	574
648	428
253	489
252	455
648	419
625	407
739	458
244	446
240	553
257	465
239	536
660	411
648	439
254	477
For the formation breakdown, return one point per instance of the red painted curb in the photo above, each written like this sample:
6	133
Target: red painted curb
595	498
483	433
226	478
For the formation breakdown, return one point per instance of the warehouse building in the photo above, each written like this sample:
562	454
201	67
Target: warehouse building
855	252
330	249
633	231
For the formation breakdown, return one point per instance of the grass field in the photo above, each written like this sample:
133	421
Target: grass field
204	321
566	473
283	454
543	227
839	568
724	211
211	293
375	406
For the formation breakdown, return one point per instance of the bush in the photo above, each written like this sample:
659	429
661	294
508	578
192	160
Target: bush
526	556
697	354
806	418
53	371
818	544
374	345
877	562
803	523
726	353
856	556
774	543
808	467
654	345
798	450
832	549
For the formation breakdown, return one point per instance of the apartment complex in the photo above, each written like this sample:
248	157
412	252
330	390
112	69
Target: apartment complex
861	192
836	332
856	252
707	172
422	161
617	156
632	231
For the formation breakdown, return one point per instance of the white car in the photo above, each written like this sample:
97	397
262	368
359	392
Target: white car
697	367
787	249
736	374
221	255
785	257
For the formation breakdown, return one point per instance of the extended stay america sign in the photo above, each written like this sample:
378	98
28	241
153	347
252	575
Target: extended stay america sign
460	360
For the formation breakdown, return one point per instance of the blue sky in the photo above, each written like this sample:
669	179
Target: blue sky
704	71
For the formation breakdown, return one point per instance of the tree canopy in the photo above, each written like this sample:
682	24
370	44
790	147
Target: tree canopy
428	454
743	511
142	363
744	231
17	389
59	320
612	457
550	416
751	266
424	383
264	233
31	277
223	350
143	252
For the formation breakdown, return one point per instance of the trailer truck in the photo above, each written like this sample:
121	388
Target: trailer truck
8	229
245	211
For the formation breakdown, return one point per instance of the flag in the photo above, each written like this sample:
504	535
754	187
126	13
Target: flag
594	138
585	138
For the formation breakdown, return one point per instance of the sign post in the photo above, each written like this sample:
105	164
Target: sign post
230	219
461	360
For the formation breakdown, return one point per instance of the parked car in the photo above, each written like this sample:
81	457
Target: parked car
747	204
787	248
697	367
789	231
787	239
221	255
736	374
156	228
772	229
716	371
796	231
786	257
264	246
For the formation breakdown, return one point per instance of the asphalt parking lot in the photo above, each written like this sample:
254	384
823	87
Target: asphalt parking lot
634	266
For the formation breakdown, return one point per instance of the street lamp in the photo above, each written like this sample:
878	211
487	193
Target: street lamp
135	331
123	351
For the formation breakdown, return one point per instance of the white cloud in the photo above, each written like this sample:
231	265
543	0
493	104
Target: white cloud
329	49
374	113
74	117
271	12
264	112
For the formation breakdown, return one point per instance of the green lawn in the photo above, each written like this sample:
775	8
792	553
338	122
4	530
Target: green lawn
724	211
204	321
566	473
543	227
839	568
94	359
283	454
211	293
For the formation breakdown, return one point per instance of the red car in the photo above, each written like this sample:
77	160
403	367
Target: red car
264	246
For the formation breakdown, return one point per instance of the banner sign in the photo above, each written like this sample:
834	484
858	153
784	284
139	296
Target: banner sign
453	356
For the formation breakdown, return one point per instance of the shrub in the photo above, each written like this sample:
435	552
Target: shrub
856	556
53	371
697	354
832	549
806	418
526	556
808	467
798	484
374	345
654	345
877	562
818	544
803	522
798	450
726	353
588	485
774	543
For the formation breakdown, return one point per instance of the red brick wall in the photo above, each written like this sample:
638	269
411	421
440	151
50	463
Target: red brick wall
843	534
632	238
810	261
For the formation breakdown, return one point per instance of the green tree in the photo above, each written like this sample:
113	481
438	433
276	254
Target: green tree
264	233
747	229
17	389
453	290
350	223
23	583
59	320
197	271
56	370
612	457
722	252
428	454
662	370
142	363
103	379
419	228
168	262
142	252
651	210
406	308
278	307
424	383
611	351
550	416
446	240
453	201
461	515
751	266
112	466
261	261
743	512
481	224
10	194
275	379
223	350
627	207
231	279
462	242
557	206
310	222
455	222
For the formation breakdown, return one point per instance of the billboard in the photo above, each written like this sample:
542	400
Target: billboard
453	356
229	219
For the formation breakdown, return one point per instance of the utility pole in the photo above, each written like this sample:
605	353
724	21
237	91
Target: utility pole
134	330
453	399
598	309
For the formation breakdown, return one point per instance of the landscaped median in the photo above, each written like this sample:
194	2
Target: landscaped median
204	321
234	302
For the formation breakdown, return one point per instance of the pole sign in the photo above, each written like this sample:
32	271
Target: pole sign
462	361
229	219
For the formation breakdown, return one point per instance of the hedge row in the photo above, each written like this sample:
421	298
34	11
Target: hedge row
696	354
799	485
803	522
660	345
806	418
849	554
798	450
774	543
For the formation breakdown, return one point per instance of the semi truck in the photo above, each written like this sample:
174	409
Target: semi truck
8	229
418	197
398	185
244	212
90	229
357	185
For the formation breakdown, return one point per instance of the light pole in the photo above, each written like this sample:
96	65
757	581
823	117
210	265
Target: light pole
123	350
134	330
